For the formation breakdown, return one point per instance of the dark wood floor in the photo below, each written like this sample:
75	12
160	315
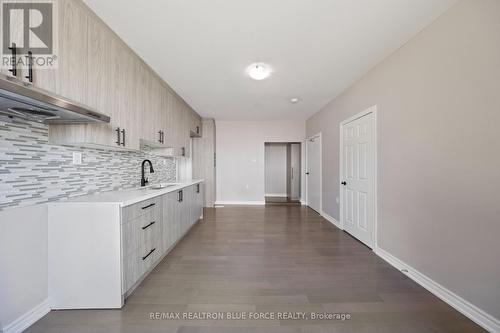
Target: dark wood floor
268	260
281	201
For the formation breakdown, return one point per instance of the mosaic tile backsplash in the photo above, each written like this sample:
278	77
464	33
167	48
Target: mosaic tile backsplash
32	171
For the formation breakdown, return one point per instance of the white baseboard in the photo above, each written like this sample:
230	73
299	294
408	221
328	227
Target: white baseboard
281	195
241	203
471	311
303	203
332	220
28	319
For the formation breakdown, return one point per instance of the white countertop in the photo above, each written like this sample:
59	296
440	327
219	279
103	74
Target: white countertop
131	196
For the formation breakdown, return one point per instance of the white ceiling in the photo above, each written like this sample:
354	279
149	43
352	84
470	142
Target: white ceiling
316	47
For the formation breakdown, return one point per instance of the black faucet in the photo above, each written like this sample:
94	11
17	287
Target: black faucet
144	180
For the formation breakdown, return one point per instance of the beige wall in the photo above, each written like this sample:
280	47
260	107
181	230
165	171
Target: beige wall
438	101
240	156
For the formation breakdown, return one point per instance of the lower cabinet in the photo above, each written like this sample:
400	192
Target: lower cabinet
151	228
141	239
100	251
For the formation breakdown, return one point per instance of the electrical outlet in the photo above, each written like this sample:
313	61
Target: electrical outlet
77	158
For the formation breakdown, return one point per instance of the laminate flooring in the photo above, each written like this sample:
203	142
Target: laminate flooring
271	263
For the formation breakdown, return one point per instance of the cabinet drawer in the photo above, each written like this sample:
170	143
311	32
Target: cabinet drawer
136	263
147	207
137	232
141	248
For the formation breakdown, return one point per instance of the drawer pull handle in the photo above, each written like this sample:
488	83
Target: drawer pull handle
147	226
150	205
147	255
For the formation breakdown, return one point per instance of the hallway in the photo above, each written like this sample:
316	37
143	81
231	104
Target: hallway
271	259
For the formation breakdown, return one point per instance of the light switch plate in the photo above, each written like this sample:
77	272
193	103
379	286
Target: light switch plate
77	158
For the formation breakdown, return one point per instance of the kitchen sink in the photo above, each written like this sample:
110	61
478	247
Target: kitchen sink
158	186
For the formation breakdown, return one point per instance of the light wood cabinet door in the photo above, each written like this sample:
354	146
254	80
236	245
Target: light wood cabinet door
187	128
143	98
198	201
169	232
101	83
156	114
177	126
178	216
43	77
196	123
71	74
125	78
167	116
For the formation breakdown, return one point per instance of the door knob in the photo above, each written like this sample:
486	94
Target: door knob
344	183
307	173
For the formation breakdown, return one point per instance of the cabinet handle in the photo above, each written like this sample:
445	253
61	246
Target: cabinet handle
29	57
183	151
118	137
197	129
13	59
147	226
150	205
162	137
159	134
180	196
147	255
197	188
123	135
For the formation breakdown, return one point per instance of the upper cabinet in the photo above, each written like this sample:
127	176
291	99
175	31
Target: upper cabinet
97	69
72	74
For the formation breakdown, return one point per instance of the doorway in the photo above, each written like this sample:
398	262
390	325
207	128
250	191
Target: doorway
358	176
313	173
282	172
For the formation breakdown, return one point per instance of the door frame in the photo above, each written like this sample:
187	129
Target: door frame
302	167
373	110
317	135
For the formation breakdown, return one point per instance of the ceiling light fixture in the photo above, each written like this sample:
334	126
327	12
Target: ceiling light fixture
259	71
294	100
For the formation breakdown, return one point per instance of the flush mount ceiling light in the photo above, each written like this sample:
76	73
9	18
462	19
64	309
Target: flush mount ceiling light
294	100
259	71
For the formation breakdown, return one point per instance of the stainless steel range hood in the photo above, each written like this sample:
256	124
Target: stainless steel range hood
22	100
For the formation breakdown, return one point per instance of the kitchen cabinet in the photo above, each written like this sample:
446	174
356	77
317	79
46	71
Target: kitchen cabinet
204	161
141	239
198	201
71	74
179	134
194	126
96	68
166	117
110	74
169	236
100	251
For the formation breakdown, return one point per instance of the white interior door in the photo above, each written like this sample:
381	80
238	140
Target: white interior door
358	178
313	173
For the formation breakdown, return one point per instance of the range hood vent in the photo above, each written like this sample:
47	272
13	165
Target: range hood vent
21	100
